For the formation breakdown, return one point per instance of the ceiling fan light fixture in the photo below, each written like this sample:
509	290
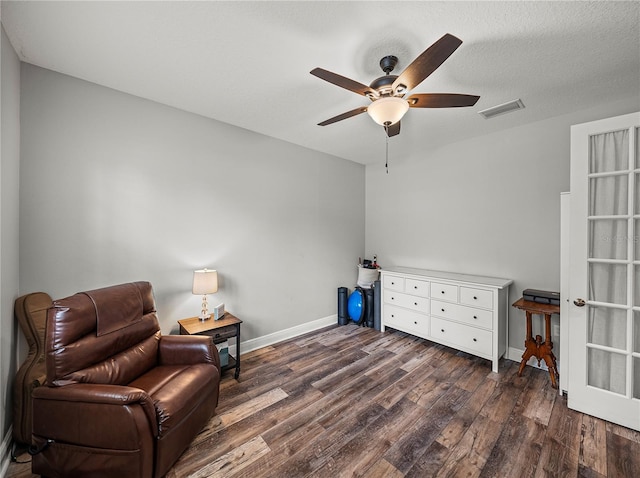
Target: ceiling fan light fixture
388	110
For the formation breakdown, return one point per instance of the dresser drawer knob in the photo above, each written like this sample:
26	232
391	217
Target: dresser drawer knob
415	303
442	310
415	286
475	340
475	298
442	292
415	322
392	315
475	316
441	330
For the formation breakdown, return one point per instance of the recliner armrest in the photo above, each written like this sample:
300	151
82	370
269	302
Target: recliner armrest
88	409
94	392
187	350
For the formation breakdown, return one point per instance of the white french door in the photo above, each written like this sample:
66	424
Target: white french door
604	276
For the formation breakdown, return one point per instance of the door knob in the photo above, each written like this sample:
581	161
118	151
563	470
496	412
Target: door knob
579	302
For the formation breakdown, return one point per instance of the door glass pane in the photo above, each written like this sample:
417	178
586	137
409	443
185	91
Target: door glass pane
636	240
637	162
607	327
608	195
607	370
636	331
607	283
636	194
608	239
609	152
636	287
636	377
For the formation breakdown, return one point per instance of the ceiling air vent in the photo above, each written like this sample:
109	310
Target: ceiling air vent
502	109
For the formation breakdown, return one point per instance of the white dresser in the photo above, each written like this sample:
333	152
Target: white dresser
462	311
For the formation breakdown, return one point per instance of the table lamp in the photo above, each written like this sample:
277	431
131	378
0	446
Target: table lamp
205	282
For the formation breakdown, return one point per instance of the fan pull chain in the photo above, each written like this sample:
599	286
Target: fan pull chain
386	163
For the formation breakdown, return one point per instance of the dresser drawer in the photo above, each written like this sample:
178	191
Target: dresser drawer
416	287
462	336
447	292
476	297
421	304
462	313
393	283
405	319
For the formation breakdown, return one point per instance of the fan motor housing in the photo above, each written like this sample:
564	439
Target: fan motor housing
382	84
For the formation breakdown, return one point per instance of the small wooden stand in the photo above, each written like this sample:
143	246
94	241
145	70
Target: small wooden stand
225	328
536	347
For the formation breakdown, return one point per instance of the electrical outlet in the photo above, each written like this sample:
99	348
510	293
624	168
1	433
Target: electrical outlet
556	330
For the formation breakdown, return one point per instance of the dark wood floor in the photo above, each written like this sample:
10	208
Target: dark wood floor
350	401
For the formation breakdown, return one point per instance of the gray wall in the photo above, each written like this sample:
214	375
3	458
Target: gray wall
115	188
9	181
489	205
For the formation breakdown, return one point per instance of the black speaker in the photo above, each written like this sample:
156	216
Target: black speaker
343	314
377	292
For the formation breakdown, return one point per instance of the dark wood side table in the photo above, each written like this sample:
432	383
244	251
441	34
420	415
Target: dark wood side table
536	347
225	328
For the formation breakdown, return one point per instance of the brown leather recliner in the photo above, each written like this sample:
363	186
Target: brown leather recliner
121	399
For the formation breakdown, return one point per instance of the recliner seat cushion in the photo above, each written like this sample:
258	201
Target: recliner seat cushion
177	390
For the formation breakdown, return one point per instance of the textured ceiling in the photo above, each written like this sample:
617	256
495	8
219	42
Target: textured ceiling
248	63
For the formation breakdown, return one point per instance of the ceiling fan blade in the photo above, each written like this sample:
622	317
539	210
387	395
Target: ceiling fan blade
393	130
428	61
343	116
441	100
343	82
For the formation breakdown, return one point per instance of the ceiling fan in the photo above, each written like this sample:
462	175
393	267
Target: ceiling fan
388	104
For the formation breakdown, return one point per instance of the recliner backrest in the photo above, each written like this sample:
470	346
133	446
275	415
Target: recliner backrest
107	335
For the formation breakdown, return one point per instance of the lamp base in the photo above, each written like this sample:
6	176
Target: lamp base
204	312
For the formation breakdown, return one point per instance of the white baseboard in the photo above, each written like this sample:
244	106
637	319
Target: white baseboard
279	336
5	452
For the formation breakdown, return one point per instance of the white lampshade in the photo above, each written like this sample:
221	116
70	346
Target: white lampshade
388	110
205	281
